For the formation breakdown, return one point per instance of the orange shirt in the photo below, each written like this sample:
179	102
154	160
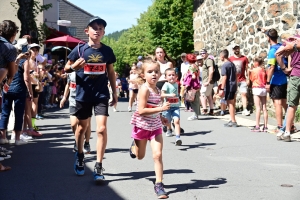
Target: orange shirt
258	76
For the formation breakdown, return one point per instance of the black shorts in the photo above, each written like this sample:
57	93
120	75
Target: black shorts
72	110
229	95
278	91
135	91
35	94
84	110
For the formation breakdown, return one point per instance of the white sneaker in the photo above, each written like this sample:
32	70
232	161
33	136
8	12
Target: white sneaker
6	151
246	113
194	117
3	141
115	110
169	134
20	142
25	137
129	109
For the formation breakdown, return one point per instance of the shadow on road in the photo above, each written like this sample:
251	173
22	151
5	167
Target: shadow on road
43	169
193	146
196	133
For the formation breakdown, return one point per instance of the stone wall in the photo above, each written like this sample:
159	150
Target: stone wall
220	23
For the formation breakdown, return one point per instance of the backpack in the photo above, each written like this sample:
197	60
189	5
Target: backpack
216	74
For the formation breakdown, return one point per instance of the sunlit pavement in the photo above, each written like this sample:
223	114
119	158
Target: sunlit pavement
214	162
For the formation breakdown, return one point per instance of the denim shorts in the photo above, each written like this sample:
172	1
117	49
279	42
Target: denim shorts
172	113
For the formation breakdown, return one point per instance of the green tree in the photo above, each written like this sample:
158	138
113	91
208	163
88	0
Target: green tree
172	25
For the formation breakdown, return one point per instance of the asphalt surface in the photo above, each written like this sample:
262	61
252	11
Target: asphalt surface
213	163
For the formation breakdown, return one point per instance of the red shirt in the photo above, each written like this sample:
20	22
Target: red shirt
240	64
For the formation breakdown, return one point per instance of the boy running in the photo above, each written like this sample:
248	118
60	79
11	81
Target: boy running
169	91
93	64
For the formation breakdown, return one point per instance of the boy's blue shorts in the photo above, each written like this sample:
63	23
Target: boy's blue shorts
172	113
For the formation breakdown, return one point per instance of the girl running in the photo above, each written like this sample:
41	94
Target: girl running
133	87
147	122
258	77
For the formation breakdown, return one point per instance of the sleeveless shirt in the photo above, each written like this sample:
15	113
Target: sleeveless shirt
163	68
148	122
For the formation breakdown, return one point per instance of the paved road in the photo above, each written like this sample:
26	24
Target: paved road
213	163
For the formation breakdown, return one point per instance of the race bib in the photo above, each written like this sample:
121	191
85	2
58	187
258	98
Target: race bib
72	85
94	68
5	88
151	105
173	100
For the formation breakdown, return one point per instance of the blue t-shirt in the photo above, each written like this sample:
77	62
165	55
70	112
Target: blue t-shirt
170	88
92	88
124	83
279	77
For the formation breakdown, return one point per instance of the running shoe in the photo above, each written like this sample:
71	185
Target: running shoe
160	191
231	124
87	148
39	117
33	133
115	110
79	165
178	142
255	129
246	113
132	155
24	136
4	155
4	141
265	129
98	174
6	151
129	109
169	133
193	117
20	142
165	128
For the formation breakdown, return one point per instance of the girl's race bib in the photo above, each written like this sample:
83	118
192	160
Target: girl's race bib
72	85
5	88
94	68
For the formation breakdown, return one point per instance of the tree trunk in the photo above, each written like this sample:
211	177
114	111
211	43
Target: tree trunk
26	17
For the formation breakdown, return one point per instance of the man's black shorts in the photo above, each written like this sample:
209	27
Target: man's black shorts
278	91
229	95
84	110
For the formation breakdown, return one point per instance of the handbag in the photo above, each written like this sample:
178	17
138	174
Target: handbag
190	95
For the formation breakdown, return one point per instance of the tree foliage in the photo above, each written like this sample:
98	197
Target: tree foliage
166	23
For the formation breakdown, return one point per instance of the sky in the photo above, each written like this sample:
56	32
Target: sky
119	14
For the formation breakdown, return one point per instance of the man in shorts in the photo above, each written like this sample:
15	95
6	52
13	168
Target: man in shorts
207	83
93	64
228	85
276	80
241	63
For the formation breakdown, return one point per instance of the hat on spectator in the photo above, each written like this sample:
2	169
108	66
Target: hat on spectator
183	55
203	51
98	19
33	45
199	57
21	42
235	45
140	58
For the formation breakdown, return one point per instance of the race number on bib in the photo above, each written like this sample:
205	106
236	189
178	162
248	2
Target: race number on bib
72	85
173	100
5	88
94	68
151	105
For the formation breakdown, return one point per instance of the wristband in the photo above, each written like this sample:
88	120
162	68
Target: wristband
71	67
268	83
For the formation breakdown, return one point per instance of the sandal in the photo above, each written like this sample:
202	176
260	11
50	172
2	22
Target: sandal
4	168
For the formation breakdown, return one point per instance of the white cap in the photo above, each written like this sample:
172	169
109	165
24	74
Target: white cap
199	57
33	45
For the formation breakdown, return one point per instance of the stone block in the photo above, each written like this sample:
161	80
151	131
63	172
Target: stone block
240	17
289	21
247	21
255	16
250	41
256	40
254	50
274	10
240	26
269	22
264	45
234	28
295	8
227	3
248	9
246	51
284	36
263	54
251	30
285	7
259	24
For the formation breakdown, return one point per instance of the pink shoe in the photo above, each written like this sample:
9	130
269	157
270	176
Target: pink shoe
33	133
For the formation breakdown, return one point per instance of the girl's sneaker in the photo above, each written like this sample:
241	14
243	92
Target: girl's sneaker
193	117
265	129
160	191
255	129
178	141
3	141
132	155
24	136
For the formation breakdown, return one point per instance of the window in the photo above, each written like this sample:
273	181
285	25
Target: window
72	31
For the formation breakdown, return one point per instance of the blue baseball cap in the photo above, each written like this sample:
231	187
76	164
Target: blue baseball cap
98	19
